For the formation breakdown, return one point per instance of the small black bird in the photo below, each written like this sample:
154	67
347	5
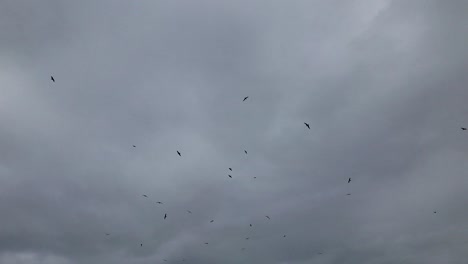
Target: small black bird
245	98
229	176
141	245
463	128
348	194
206	243
349	180
247	238
179	153
435	212
52	78
211	221
307	125
165	216
320	253
230	169
134	146
159	202
284	236
250	225
144	195
267	217
245	151
188	211
107	234
255	177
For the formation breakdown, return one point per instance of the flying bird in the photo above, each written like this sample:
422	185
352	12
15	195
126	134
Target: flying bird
188	211
284	236
206	243
251	225
348	194
463	128
165	216
141	245
144	195
229	176
165	259
134	146
245	98
211	221
230	169
435	212
159	202
245	151
247	238
267	217
52	78
107	234
307	125
179	153
255	177
349	180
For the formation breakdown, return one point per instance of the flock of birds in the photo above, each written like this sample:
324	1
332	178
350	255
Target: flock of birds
230	176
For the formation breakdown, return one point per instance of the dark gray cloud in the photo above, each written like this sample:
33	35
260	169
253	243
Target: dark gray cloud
382	84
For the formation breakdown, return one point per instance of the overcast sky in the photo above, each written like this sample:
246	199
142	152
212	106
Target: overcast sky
383	85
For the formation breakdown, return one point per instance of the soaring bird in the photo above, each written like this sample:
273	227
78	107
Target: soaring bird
307	125
435	212
250	225
134	146
179	153
255	177
141	245
211	221
165	216
247	238
348	194
230	169
144	195
463	128
349	180
229	176
206	243
165	259
52	78
267	217
188	211
107	234
245	98
159	202
245	151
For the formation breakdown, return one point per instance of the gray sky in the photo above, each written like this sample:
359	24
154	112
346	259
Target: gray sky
382	84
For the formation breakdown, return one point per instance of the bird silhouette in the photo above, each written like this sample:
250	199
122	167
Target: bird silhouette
141	245
463	128
307	125
52	78
134	146
165	216
348	194
179	153
144	195
245	98
188	211
435	212
211	221
165	259
159	202
255	177
230	169
349	180
229	176
247	238
107	234
206	243
250	225
245	151
267	217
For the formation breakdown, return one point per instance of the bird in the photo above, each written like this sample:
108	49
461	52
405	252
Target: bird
141	245
52	78
165	216
463	128
165	259
144	195
159	202
134	146
229	176
179	153
211	221
206	243
188	211
250	225
284	236
349	180
267	216
255	177
307	125
245	98
107	234
247	238
435	212
245	151
230	169
320	253
348	194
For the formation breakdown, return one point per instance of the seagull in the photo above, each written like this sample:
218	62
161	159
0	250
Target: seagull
307	125
267	216
230	169
245	151
52	78
188	211
211	221
349	180
245	98
179	153
230	176
463	128
165	216
144	195
159	202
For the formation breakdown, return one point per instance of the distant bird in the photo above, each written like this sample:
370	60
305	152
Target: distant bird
251	225
188	211
245	151
165	259
230	169
307	125
211	221
349	180
206	243
320	253
255	177
267	217
165	216
284	236
52	78
229	176
247	238
245	98
348	194
107	234
435	212
141	245
134	146
159	202
463	128
179	153
144	195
